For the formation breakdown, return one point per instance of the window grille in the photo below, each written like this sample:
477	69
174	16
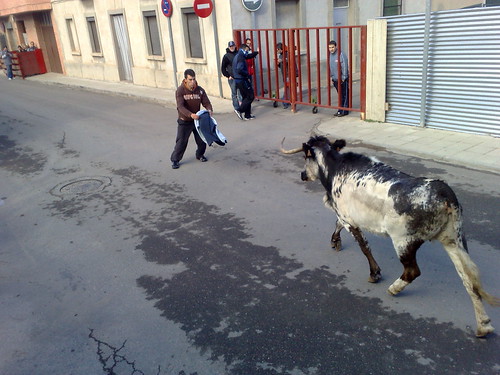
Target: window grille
94	35
152	33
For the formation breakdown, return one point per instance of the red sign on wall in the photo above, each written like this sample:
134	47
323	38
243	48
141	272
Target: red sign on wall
203	8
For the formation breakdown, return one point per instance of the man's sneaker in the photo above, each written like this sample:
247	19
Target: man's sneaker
175	165
252	117
238	113
202	159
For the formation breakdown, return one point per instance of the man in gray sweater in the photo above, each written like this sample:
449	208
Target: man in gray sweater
337	59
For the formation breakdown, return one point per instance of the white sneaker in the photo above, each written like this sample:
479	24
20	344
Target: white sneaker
238	113
10	79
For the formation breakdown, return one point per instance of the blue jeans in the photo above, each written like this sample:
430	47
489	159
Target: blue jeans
234	93
9	71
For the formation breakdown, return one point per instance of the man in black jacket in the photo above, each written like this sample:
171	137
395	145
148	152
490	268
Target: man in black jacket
227	71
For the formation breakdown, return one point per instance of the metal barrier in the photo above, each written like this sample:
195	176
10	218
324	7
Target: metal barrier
25	64
305	76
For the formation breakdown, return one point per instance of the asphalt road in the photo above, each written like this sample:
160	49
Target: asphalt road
113	263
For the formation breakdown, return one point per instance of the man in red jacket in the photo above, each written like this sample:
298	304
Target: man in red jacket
250	58
190	97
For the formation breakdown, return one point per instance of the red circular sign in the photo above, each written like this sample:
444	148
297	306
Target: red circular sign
203	8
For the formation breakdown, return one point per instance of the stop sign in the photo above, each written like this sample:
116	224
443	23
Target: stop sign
203	8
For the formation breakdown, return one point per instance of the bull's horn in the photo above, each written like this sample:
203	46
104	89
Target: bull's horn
292	151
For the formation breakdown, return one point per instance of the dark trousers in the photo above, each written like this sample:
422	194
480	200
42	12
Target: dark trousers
184	130
344	100
247	97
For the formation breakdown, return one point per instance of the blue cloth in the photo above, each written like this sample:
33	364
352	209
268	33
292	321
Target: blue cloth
207	129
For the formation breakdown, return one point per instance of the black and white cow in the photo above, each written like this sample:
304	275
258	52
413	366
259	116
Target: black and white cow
369	195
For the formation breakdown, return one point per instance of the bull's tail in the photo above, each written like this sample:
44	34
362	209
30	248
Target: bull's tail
458	244
492	300
455	245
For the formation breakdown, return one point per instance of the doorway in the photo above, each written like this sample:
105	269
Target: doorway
122	46
49	42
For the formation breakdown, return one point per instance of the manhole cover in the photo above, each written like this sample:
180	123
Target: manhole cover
84	185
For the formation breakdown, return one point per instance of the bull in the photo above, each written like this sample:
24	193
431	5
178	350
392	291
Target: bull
367	194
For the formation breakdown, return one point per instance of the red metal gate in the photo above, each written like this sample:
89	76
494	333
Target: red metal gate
26	64
305	78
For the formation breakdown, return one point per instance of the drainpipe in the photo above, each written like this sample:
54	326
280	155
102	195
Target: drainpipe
425	63
217	53
172	52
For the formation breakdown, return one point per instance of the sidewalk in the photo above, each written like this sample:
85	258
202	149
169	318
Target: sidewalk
473	151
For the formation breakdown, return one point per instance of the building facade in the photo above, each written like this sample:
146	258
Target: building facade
133	41
25	21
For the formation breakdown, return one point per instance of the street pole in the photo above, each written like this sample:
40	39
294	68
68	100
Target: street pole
217	52
425	63
172	52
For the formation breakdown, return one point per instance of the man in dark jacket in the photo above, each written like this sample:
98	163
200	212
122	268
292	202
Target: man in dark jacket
227	71
189	97
243	84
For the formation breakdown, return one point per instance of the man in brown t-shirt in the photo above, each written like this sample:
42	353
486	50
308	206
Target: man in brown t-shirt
189	97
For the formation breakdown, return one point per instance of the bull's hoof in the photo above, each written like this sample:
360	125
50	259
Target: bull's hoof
392	292
484	330
397	286
336	244
374	278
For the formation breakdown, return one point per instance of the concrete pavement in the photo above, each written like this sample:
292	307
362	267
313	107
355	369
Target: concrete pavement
474	151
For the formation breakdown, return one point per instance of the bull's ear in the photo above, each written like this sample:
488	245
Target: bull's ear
307	150
339	144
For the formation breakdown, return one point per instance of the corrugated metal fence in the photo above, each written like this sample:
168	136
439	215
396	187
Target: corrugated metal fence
463	70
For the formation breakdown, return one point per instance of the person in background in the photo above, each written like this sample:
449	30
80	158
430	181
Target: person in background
335	60
32	47
190	97
20	48
251	55
7	60
283	65
244	84
227	71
